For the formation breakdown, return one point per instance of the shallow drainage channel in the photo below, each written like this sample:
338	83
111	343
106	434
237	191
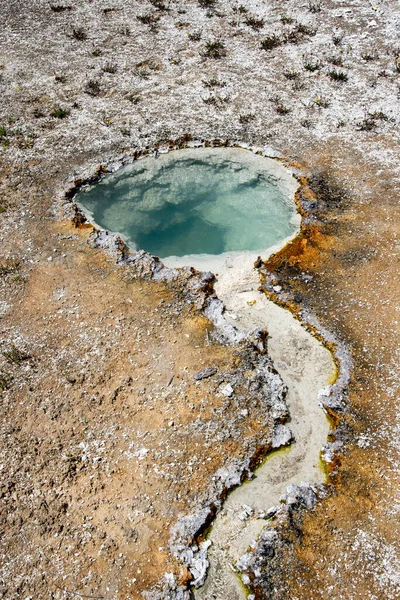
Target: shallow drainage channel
217	209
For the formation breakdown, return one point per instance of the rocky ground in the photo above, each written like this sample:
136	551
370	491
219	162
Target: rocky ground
98	458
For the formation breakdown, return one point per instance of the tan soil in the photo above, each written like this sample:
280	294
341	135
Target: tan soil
102	450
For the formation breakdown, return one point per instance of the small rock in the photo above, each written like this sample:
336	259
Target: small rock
227	390
204	373
247	512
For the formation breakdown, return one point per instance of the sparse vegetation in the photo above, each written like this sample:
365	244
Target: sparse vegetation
148	19
338	75
134	97
294	36
271	42
159	5
298	85
58	8
96	52
213	83
9	267
312	65
216	100
5	381
240	9
281	109
215	50
207	3
337	61
306	123
314	6
337	39
79	34
195	36
369	56
254	22
246	118
15	356
291	75
60	78
370	121
38	113
286	20
322	102
93	87
60	113
110	68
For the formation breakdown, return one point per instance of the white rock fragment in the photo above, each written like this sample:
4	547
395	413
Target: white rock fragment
227	390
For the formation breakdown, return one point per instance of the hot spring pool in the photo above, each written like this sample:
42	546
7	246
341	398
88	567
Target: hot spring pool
207	201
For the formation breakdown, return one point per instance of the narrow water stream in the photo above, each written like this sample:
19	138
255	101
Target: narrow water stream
306	367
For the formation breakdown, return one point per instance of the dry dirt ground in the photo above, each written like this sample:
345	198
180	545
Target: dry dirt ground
98	445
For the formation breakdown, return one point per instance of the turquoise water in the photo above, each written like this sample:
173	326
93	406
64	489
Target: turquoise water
193	202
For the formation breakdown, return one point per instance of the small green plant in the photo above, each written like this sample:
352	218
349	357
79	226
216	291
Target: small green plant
322	102
314	6
148	19
79	34
211	100
60	113
271	42
369	56
110	68
4	138
240	9
297	34
96	52
286	20
213	83
124	30
306	123
15	356
134	97
370	120
337	39
207	3
338	76
298	85
379	115
159	5
10	267
215	50
5	381
93	87
254	23
245	119
336	60
281	109
291	75
57	8
195	36
312	65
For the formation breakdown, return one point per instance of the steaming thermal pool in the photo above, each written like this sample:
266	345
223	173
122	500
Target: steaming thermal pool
207	201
